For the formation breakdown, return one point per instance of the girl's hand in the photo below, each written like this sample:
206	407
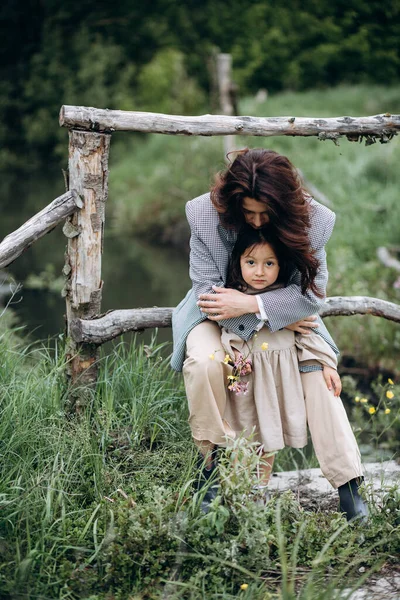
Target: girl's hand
332	380
304	326
226	303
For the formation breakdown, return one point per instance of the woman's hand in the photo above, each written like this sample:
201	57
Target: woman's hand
305	326
226	303
332	380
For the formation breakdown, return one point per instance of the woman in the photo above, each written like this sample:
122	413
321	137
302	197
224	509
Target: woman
260	188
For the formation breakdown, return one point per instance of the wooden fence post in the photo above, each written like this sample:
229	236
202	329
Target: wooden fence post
88	175
224	77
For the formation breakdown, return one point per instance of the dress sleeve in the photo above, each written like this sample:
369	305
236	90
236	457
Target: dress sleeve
288	305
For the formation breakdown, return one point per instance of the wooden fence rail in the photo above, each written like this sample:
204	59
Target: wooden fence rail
16	242
116	322
382	127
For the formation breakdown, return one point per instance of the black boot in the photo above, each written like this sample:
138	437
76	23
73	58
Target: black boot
351	502
207	479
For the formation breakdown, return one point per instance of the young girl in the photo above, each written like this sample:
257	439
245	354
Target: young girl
268	403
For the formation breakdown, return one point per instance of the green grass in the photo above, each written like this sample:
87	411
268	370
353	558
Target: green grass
152	177
102	507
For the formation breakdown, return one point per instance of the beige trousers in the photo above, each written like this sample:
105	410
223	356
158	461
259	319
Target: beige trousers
205	383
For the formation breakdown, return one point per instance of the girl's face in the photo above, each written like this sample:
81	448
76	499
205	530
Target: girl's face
259	265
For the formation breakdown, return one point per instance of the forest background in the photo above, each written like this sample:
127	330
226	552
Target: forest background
155	56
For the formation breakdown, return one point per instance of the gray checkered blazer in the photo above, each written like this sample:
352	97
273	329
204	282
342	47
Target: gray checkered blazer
210	249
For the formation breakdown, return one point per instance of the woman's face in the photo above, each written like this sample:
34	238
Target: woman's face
254	212
259	266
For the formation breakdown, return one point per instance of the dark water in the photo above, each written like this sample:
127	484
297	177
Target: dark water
135	274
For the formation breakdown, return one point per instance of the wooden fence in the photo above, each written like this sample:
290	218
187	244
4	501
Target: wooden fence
83	207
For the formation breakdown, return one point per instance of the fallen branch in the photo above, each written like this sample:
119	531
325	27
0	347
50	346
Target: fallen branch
16	242
383	126
360	305
314	191
387	259
117	322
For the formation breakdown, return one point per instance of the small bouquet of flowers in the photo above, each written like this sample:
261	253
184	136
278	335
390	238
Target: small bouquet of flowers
242	366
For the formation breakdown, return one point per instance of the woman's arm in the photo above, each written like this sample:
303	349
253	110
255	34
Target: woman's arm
288	305
207	279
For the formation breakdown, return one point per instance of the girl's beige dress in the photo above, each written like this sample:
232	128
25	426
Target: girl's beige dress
273	412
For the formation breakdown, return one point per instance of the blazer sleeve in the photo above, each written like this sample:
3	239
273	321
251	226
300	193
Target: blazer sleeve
288	305
203	270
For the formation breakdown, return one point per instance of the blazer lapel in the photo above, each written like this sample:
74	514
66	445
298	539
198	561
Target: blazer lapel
228	236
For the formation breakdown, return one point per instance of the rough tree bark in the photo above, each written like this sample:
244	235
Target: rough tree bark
44	221
88	174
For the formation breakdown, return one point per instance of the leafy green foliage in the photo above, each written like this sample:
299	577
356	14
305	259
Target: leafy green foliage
157	57
102	507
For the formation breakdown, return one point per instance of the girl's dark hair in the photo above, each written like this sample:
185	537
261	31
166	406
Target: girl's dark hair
270	178
248	238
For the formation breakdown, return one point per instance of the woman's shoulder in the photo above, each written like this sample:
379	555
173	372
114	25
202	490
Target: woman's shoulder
322	222
201	209
200	202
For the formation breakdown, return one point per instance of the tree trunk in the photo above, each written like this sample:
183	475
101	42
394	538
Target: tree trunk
88	174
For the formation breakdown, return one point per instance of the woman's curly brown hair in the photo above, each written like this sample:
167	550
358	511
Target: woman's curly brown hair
270	178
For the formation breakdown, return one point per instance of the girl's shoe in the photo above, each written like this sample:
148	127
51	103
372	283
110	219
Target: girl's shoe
351	502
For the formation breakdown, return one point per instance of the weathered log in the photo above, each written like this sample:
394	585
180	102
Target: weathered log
360	305
88	172
383	126
14	244
387	259
117	322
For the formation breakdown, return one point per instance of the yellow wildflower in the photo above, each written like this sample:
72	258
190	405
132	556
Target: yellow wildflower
227	359
364	400
244	586
390	381
232	377
387	411
264	346
357	399
211	356
389	394
371	410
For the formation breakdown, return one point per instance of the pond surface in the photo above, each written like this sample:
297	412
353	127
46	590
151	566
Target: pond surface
135	274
